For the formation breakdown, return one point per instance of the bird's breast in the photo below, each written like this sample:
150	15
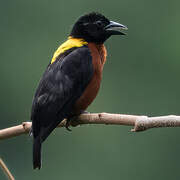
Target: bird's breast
98	53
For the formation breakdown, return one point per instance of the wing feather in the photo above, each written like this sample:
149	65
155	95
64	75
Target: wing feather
62	84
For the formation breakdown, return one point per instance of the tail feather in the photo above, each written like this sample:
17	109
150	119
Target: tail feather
47	131
43	133
37	153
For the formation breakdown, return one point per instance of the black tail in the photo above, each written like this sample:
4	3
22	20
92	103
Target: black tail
42	135
37	153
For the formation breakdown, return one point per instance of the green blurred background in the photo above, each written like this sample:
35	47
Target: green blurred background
141	77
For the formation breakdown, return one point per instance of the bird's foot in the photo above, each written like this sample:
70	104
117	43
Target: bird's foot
68	121
68	124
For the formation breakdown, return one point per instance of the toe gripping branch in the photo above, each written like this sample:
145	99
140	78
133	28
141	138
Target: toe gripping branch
68	123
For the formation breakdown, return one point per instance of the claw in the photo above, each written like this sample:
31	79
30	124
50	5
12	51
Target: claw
72	117
67	125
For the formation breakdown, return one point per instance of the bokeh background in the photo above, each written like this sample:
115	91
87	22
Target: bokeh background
141	77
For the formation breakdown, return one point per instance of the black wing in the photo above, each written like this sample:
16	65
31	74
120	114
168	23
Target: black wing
62	84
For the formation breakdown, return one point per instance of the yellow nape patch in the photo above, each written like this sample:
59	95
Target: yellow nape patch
70	43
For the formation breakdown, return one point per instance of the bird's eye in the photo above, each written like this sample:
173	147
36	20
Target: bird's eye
100	23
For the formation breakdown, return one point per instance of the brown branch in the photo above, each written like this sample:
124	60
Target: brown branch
6	170
140	123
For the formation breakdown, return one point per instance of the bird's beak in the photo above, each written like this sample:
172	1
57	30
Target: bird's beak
114	28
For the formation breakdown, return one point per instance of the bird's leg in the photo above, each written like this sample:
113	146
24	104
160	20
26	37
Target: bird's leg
69	119
84	112
73	116
68	124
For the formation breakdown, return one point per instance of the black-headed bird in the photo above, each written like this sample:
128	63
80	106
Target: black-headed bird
72	79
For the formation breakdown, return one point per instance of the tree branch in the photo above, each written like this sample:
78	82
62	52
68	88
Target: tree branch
140	123
6	170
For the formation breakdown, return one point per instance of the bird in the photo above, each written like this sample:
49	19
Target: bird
72	78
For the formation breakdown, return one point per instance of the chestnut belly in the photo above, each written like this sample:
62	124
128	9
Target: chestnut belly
89	94
98	53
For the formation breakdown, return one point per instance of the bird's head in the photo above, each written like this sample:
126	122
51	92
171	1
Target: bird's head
94	27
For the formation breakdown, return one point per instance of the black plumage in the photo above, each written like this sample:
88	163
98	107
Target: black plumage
72	79
62	84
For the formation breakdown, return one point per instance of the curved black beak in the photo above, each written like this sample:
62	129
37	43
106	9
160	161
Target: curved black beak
114	28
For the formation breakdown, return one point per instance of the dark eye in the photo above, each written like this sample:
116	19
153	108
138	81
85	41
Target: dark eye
100	23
